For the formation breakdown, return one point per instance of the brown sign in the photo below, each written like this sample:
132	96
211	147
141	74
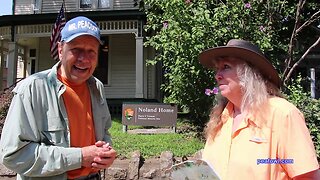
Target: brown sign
149	114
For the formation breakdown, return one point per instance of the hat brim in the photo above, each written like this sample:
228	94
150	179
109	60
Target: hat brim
81	34
208	57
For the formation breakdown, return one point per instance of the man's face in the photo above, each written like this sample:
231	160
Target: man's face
78	58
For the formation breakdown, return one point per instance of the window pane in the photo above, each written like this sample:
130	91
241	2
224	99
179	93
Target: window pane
101	71
85	3
36	5
104	3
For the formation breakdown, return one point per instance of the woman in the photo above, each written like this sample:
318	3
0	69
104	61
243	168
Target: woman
253	132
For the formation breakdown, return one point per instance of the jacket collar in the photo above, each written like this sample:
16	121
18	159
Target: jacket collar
60	87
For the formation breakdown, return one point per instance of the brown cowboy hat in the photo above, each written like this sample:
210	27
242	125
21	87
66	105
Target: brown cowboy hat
244	50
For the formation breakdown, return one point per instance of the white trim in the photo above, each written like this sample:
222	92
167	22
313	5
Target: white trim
118	27
139	68
5	32
44	30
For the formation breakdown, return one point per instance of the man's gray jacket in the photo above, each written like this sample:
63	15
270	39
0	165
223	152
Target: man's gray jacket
35	140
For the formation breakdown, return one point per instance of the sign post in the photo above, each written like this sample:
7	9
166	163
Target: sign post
149	114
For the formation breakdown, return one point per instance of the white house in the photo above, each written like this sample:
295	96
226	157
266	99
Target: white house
25	44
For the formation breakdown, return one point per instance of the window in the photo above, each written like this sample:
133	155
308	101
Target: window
5	57
101	71
32	53
85	3
94	4
36	6
104	4
6	60
21	73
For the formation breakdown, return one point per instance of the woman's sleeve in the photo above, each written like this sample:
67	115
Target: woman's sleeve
295	148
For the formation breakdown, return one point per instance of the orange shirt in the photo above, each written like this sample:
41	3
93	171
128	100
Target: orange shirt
78	105
275	144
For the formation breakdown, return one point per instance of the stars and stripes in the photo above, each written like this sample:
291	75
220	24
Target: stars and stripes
56	36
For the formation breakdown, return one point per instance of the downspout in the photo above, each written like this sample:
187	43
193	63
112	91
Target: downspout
12	26
13	5
1	64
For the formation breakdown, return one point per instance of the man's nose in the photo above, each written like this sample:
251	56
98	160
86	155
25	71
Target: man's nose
84	56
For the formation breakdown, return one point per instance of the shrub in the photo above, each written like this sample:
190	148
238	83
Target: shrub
309	106
5	100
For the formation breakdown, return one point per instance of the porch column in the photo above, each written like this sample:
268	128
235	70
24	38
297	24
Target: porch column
1	65
139	68
313	82
12	63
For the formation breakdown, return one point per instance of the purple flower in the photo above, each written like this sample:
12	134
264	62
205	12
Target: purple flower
215	90
247	5
209	92
262	28
165	24
187	1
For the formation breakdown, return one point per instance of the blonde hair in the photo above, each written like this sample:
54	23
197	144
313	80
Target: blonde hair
255	90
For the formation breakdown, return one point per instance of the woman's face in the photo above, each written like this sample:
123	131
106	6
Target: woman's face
227	78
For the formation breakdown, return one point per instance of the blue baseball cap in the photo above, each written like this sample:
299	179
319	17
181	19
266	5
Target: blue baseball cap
79	26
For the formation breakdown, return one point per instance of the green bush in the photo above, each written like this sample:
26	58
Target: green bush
5	100
309	106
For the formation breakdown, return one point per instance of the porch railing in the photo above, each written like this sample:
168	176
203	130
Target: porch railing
44	30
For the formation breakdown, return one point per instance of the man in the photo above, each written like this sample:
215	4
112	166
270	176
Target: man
58	121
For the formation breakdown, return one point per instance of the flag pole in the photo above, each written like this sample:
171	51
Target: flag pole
56	36
65	10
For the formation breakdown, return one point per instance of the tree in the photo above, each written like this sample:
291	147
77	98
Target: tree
305	18
180	30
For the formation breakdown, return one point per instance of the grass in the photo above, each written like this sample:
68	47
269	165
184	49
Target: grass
152	145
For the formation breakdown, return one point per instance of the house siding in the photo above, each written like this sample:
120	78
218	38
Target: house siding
122	66
150	80
44	60
49	6
123	4
122	46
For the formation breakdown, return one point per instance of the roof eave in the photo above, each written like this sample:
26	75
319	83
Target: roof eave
27	19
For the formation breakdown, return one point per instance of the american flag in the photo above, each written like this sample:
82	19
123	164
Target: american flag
56	36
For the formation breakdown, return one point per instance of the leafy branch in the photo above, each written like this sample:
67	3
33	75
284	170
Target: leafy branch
289	68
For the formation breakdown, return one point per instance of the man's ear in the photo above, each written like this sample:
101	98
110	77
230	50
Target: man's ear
60	46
